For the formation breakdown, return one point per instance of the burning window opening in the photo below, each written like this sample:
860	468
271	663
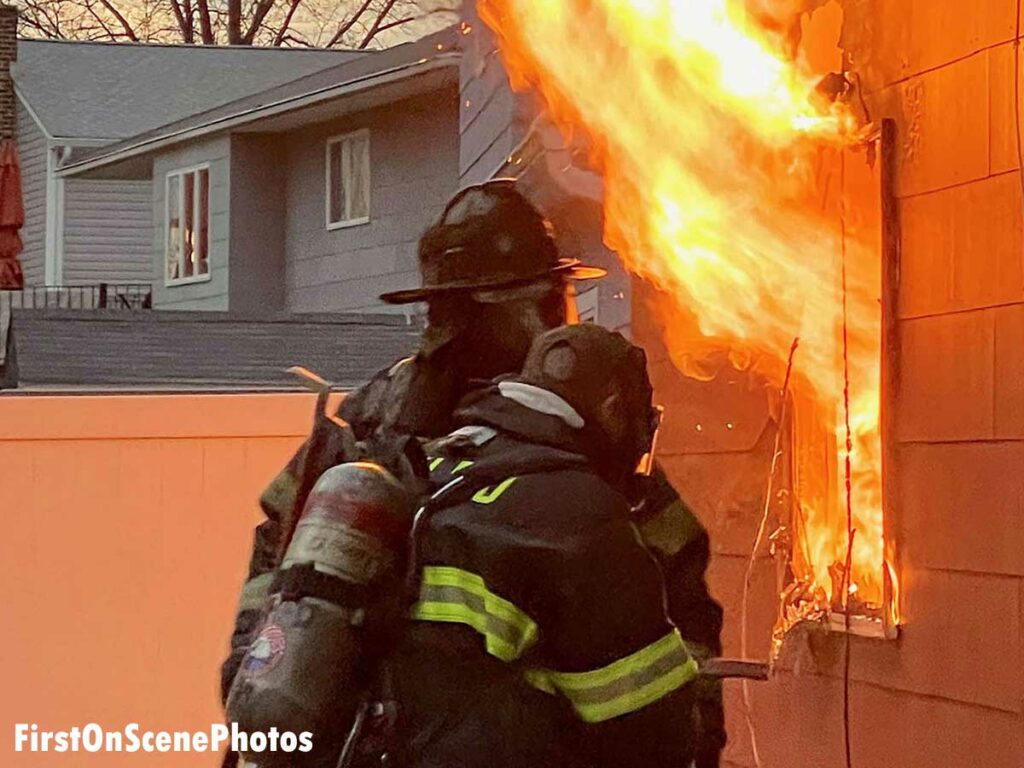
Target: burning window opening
734	180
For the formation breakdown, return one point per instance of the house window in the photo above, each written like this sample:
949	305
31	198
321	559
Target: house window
586	306
188	225
348	180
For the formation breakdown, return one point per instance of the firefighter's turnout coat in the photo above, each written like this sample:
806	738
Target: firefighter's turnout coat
539	633
398	399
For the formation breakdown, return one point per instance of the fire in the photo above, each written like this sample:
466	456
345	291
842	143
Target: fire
716	155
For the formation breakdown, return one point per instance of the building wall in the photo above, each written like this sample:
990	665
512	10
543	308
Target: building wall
490	115
414	170
950	691
257	269
134	517
32	149
108	231
210	294
493	124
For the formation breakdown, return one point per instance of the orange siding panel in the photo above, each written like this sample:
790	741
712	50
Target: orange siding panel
953	498
127	526
961	248
947	387
1009	374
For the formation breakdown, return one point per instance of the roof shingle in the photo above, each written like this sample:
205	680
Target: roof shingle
116	90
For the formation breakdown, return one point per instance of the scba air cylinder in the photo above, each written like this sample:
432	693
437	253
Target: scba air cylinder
305	671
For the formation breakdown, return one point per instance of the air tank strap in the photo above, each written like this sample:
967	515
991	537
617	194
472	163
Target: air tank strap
304	580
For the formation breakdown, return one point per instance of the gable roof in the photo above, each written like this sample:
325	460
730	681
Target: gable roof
434	57
87	90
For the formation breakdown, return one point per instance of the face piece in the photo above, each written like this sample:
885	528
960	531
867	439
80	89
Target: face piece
485	334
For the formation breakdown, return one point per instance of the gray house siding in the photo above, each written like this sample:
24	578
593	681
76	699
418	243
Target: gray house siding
414	151
211	294
257	222
494	121
491	115
108	231
32	149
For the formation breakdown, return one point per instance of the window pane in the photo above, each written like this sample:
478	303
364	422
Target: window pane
346	177
334	183
359	187
173	227
188	262
203	225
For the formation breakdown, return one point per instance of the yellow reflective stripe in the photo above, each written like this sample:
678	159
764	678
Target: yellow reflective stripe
490	495
464	464
254	592
453	595
435	463
626	685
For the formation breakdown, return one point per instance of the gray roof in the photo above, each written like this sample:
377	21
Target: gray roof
115	90
431	56
95	349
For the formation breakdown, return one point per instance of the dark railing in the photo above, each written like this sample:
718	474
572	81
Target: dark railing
130	296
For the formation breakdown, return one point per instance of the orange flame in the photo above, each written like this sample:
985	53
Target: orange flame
712	146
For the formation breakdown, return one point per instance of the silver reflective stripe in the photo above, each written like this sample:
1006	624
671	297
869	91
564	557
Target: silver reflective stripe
626	685
449	594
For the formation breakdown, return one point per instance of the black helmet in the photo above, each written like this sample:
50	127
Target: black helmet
489	236
586	363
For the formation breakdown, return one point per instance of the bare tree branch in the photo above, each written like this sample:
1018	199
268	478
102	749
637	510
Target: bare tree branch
259	15
179	17
107	31
347	25
129	32
282	33
375	29
306	23
234	22
190	23
205	28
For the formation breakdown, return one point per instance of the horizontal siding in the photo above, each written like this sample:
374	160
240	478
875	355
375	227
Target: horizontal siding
108	231
32	147
414	170
487	109
211	294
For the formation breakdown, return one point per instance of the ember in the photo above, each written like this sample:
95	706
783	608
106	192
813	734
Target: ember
715	145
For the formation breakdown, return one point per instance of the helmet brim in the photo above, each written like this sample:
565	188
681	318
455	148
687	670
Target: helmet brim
567	270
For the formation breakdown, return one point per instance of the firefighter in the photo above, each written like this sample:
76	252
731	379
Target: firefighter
492	281
539	634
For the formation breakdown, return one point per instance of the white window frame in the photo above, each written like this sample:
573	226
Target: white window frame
588	305
340	139
180	172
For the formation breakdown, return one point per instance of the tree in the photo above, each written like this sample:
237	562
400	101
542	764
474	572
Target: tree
312	23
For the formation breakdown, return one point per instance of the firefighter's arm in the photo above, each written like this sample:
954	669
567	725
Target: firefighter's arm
281	503
614	655
681	544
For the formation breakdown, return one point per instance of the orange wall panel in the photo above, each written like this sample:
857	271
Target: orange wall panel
127	522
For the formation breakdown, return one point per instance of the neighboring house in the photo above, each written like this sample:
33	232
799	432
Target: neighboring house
502	134
75	97
254	180
308	196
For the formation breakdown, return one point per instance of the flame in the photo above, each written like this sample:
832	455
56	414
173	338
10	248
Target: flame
717	159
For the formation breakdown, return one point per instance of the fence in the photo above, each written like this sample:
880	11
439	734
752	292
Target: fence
127	296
